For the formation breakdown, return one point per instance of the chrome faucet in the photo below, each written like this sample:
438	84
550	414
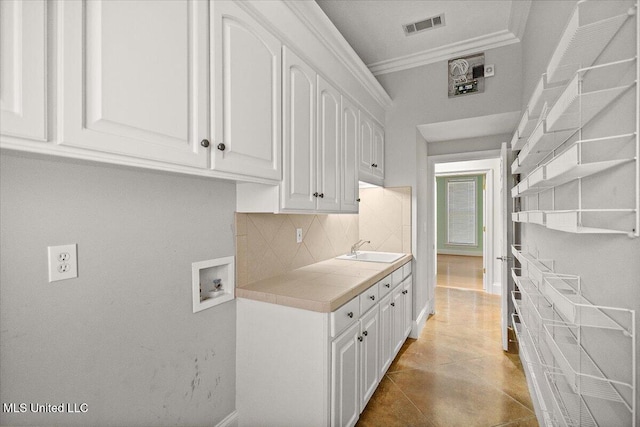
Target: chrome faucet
357	245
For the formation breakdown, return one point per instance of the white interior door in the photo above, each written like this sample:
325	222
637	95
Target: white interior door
505	242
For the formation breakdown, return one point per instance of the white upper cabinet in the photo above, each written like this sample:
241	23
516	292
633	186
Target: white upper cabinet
23	74
371	150
366	144
350	158
378	151
191	86
328	146
299	133
247	94
314	154
133	78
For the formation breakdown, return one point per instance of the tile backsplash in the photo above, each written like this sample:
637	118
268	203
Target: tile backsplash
266	243
385	219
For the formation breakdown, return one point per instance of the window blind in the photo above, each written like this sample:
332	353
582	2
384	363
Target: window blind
461	212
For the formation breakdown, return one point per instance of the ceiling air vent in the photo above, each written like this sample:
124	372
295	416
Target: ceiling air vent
423	25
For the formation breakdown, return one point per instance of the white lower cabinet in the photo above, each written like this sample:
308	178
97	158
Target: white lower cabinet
407	292
386	334
397	312
345	384
369	355
299	367
355	363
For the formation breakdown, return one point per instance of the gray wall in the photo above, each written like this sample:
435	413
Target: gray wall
122	336
420	97
609	266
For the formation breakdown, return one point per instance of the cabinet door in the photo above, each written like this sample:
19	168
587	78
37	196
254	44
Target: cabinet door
328	146
350	132
247	94
23	46
408	305
369	355
366	143
345	354
299	133
134	78
386	334
378	151
397	310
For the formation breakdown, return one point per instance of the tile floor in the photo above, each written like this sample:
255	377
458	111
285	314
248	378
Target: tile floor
455	373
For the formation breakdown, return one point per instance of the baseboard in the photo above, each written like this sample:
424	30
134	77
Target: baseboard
458	252
230	420
418	324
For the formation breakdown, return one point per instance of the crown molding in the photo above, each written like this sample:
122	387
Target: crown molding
323	29
465	47
518	17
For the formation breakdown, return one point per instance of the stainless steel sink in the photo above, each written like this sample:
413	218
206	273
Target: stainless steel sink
369	256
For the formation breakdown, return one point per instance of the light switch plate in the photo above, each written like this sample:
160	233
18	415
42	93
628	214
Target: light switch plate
63	262
298	235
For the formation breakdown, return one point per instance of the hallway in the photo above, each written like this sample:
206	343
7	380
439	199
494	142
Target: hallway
456	373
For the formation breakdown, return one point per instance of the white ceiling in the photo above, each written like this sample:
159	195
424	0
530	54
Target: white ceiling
474	127
374	28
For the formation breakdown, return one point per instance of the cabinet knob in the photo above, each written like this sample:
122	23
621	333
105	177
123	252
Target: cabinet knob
221	146
373	165
387	285
365	333
393	304
315	194
205	143
358	199
404	292
373	297
360	338
350	314
321	195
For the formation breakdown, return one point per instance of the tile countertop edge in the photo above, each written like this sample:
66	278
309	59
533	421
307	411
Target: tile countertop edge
319	305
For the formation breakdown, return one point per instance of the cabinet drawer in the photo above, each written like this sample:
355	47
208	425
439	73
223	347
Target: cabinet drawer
384	286
369	298
345	316
406	270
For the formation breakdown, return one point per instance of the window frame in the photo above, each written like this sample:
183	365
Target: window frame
474	182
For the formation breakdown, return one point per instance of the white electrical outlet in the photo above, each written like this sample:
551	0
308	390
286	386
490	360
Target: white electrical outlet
63	262
299	235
